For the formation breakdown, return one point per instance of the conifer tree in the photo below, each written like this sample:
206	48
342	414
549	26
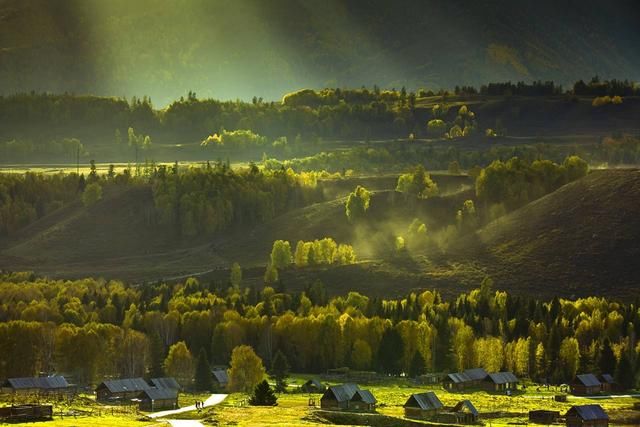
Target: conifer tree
203	379
280	371
263	395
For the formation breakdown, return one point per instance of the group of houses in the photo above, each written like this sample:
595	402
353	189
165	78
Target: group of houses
479	378
427	405
42	386
589	384
161	393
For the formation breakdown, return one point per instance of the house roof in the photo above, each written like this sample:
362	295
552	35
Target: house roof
607	378
160	393
424	401
465	404
503	377
44	383
220	376
365	396
459	377
314	382
589	412
476	374
125	385
165	382
588	380
343	392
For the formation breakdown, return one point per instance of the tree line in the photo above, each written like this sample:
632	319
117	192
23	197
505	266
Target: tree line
94	329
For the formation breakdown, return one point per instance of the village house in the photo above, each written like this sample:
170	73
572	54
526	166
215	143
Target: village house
157	399
220	379
587	416
313	386
461	380
543	416
120	390
462	413
585	385
54	385
347	397
500	381
608	384
422	405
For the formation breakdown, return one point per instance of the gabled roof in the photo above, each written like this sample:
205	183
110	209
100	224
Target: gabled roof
607	378
220	376
125	385
476	374
502	377
314	382
424	401
588	412
159	393
343	392
588	380
43	383
465	404
364	396
165	382
459	377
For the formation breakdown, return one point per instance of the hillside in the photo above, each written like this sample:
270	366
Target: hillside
580	240
259	48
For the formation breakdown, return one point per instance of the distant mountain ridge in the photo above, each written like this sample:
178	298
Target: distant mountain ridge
240	48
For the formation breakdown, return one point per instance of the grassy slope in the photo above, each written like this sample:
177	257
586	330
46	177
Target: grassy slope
579	240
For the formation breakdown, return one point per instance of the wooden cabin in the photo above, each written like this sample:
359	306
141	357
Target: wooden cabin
26	413
422	405
54	385
543	416
158	399
587	416
608	384
347	397
313	386
500	381
585	385
220	379
362	401
462	413
456	381
120	390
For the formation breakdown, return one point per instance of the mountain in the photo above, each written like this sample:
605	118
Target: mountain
240	48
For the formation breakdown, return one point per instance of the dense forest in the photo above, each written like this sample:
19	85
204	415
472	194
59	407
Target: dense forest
94	329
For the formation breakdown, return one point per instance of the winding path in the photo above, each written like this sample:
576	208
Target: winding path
213	400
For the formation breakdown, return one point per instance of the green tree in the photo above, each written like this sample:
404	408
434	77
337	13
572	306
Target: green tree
236	275
246	369
280	371
281	254
417	183
179	363
156	353
625	374
418	365
391	347
270	275
203	379
92	194
607	359
436	127
569	357
357	203
263	395
361	355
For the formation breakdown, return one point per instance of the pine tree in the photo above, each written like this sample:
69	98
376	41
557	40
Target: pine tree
156	369
607	360
280	371
391	346
263	395
203	380
625	374
417	366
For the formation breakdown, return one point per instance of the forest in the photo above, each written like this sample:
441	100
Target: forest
91	329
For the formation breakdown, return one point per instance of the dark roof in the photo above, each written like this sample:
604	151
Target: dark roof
159	393
607	378
220	376
460	406
476	374
43	383
424	401
459	377
343	392
314	382
165	382
503	377
588	380
365	396
588	412
125	385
